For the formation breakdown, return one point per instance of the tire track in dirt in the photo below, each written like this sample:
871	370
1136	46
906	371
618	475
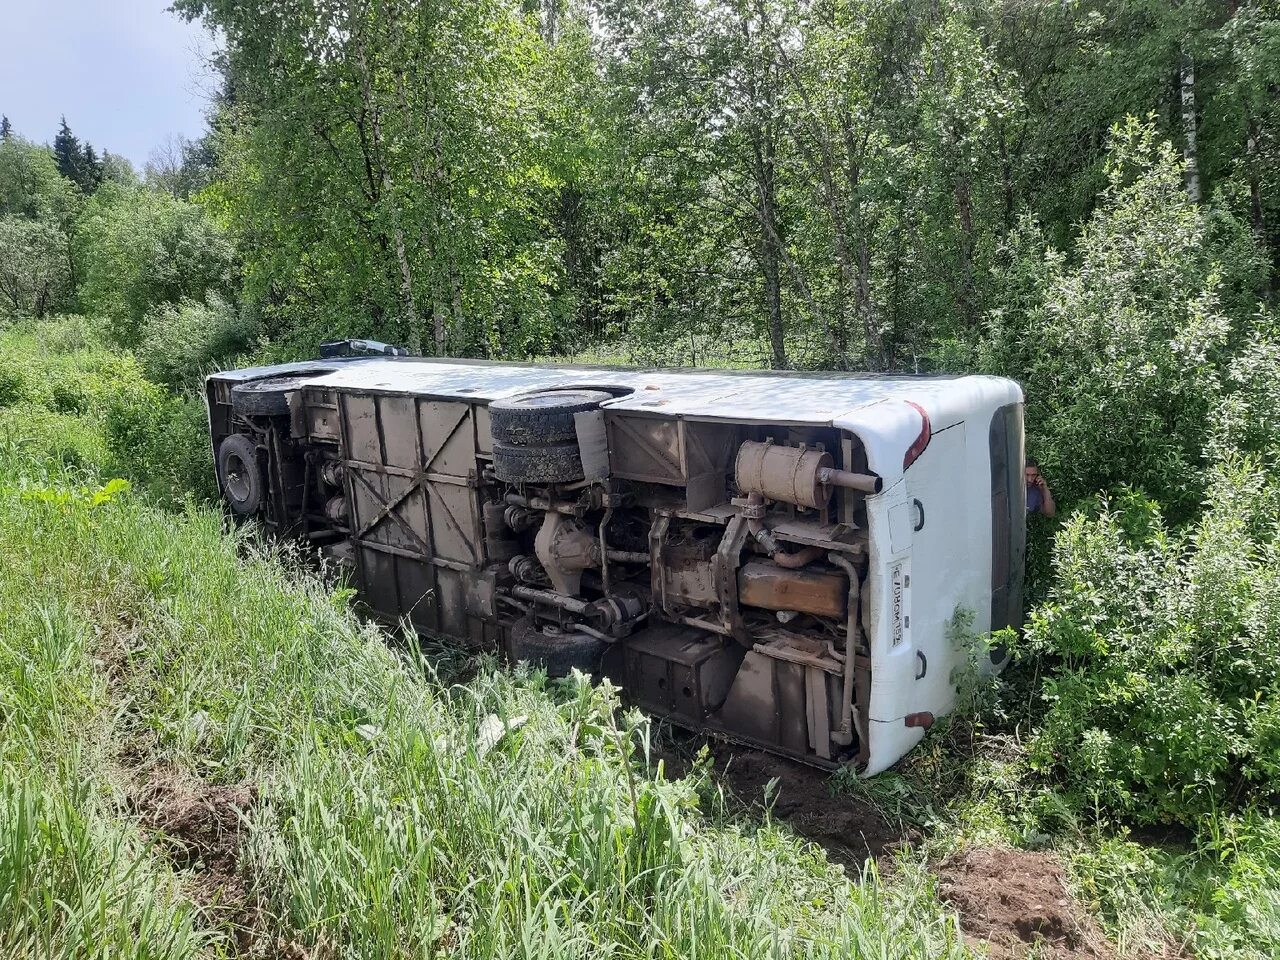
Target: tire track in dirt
200	828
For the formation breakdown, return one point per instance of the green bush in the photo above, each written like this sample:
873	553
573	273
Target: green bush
161	440
182	342
1121	347
35	273
92	410
137	248
1165	702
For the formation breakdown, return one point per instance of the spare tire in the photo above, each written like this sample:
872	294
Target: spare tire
239	476
269	397
545	417
558	653
540	463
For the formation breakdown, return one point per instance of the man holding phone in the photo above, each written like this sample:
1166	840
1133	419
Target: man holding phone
1039	499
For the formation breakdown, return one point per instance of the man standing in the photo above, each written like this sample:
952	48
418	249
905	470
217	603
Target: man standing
1039	499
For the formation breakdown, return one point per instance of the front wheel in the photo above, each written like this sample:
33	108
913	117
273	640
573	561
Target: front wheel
239	476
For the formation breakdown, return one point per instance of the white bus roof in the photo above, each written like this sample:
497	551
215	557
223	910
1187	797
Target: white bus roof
769	396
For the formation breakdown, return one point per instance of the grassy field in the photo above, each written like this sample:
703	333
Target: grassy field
203	752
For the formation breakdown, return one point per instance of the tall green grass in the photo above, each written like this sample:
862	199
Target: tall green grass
399	814
70	402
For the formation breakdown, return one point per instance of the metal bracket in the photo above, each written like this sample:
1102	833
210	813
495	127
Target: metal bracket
724	577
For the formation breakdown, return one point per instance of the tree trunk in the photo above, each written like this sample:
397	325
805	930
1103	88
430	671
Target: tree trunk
862	300
1256	216
438	326
551	22
769	254
1190	149
764	151
964	211
413	341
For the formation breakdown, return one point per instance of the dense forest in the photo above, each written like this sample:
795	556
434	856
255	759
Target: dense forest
1082	195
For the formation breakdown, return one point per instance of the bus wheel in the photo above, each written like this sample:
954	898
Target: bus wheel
558	651
239	476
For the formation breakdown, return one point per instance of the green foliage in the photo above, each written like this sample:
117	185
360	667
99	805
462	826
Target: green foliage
30	186
77	162
90	409
400	185
183	342
1246	419
1164	700
136	249
1121	348
35	270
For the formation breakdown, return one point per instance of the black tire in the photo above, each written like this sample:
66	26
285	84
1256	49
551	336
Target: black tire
545	417
558	653
268	397
239	476
543	463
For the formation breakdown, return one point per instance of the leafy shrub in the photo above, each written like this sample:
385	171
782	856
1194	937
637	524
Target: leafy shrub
39	444
70	333
181	342
91	410
1165	705
137	248
35	273
1246	419
161	440
1122	348
12	386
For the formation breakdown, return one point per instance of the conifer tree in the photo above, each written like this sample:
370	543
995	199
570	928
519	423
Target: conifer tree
66	151
79	164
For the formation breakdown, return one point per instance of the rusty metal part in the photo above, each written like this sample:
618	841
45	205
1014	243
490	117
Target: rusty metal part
843	734
627	556
545	504
782	697
772	587
753	511
794	561
724	578
565	548
788	474
518	518
499	545
603	535
534	595
686	575
675	670
865	482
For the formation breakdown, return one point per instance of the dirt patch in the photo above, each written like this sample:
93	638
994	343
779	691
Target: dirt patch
199	826
849	829
1010	901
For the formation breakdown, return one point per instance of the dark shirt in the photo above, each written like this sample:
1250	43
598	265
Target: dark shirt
1035	499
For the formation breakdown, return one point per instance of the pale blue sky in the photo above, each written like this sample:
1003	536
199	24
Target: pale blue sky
127	74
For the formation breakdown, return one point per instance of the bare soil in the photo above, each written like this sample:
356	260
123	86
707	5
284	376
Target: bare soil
1011	901
850	830
199	827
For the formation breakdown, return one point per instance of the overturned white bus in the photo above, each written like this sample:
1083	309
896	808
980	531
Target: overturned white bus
776	557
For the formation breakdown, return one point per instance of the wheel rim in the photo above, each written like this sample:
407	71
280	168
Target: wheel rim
237	478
